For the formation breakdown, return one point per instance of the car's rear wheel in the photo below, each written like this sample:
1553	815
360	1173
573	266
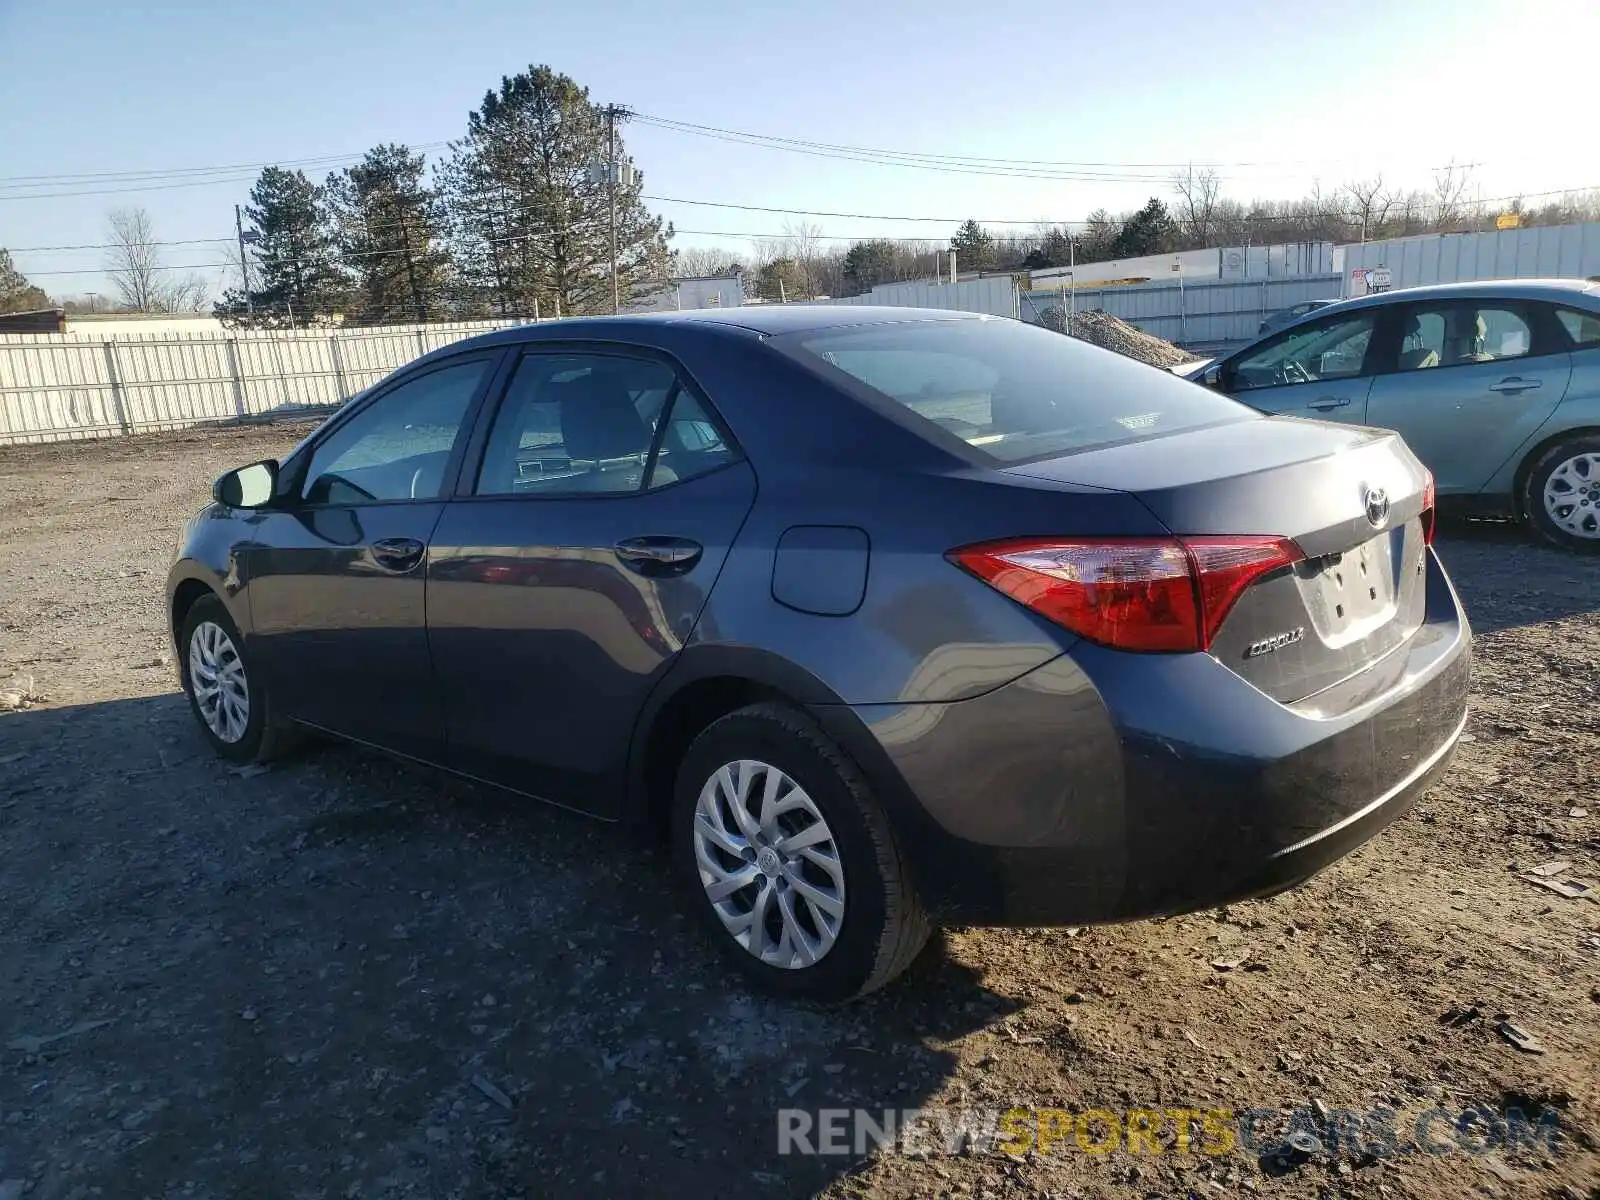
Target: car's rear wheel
1563	495
228	701
790	860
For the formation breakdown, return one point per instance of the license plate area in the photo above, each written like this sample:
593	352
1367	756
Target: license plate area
1352	594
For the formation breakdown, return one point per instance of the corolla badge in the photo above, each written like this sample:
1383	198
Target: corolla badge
1276	642
1377	505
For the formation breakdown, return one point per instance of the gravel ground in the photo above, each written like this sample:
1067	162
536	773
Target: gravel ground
346	977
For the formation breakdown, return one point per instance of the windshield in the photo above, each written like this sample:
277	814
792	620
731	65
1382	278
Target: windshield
1012	391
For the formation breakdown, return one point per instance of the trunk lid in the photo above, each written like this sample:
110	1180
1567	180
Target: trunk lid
1360	591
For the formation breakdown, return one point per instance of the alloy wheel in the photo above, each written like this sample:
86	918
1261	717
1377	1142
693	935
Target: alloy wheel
1572	495
217	679
768	862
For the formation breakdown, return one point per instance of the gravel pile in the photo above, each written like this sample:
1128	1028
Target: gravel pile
1111	333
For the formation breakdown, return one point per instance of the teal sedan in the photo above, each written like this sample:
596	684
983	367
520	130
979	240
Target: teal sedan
1495	385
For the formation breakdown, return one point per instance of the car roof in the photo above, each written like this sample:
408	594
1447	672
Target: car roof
762	320
1476	289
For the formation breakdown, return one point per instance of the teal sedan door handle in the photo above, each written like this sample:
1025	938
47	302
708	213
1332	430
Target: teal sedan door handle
1516	384
1324	403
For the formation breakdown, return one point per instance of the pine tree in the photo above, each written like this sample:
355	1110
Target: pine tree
973	246
16	293
869	263
529	204
389	223
296	272
781	279
1148	231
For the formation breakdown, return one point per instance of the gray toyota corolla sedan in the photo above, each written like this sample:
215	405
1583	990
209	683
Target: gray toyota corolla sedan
879	617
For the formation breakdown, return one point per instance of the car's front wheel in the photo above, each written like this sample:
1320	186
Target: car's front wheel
790	860
1563	495
228	701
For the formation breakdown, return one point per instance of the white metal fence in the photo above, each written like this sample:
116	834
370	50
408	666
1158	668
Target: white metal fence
55	386
993	294
1569	251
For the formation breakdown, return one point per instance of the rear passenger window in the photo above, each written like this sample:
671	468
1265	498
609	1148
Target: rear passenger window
1453	335
1582	327
691	443
589	424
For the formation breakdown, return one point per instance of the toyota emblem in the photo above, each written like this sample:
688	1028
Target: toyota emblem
1377	502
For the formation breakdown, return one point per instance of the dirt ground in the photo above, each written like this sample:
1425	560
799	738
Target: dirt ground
346	977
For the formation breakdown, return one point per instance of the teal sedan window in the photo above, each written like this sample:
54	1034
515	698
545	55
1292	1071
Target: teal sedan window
1333	349
1582	327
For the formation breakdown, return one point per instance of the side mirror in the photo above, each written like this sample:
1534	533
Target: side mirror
247	487
1211	377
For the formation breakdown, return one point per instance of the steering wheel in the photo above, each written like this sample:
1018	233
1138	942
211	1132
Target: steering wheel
416	482
1290	371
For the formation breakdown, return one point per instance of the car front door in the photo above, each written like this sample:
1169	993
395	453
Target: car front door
337	569
1467	383
1319	369
605	498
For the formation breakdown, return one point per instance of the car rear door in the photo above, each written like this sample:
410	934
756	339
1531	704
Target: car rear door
1467	382
595	511
1320	369
336	571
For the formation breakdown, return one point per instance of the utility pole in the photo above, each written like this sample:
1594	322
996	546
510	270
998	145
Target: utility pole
1072	277
611	196
411	273
494	252
244	264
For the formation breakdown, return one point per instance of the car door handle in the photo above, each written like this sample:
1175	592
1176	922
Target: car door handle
1516	384
1324	403
398	554
657	555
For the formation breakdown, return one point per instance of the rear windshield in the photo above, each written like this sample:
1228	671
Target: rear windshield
1012	391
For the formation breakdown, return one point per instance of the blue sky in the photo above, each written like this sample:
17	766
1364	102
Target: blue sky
1280	95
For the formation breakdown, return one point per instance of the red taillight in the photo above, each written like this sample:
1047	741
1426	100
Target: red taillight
1430	508
1131	593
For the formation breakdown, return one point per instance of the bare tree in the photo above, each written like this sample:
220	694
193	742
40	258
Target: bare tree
189	294
133	261
1198	193
1369	204
702	261
803	242
1450	184
134	264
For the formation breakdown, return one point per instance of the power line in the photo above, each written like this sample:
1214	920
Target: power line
981	160
25	187
880	158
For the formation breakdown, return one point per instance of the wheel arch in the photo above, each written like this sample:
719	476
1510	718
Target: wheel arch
183	597
704	684
1519	482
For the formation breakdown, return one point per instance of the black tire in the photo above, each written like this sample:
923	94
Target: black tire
884	926
263	739
1533	496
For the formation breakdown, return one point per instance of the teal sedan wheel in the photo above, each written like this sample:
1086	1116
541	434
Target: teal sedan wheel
1563	497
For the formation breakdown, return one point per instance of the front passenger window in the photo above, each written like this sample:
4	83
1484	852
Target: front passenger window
397	447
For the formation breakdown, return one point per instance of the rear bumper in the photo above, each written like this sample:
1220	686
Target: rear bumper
1109	787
